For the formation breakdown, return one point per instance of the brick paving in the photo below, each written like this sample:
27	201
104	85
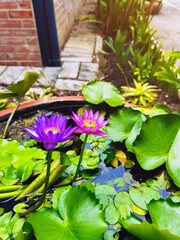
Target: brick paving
79	59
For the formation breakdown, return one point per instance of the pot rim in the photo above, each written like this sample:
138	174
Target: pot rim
29	105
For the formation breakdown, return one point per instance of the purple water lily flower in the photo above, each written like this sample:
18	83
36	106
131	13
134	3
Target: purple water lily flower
90	123
51	130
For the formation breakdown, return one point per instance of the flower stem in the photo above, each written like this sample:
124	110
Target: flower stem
45	187
11	116
80	158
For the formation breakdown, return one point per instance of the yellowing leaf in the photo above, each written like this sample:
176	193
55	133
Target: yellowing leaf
121	157
138	210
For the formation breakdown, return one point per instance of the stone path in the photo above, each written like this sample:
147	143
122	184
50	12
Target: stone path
167	23
79	59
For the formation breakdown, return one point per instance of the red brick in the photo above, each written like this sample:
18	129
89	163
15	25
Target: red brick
6	49
20	14
12	41
31	64
24	32
34	57
5	32
5	63
8	5
28	49
2	56
32	41
3	14
10	23
24	4
16	56
28	23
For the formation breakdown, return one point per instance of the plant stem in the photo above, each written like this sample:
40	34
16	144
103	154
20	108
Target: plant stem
11	116
80	158
45	187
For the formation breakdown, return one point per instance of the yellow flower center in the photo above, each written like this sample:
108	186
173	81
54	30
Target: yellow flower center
53	129
89	123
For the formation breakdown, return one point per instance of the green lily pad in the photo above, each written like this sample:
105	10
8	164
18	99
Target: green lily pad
98	91
81	220
159	142
128	124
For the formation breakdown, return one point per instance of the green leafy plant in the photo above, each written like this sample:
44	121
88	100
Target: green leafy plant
118	46
142	94
19	90
45	93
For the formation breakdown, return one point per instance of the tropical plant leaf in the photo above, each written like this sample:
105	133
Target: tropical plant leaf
159	142
165	214
128	124
24	85
5	95
98	91
81	220
146	231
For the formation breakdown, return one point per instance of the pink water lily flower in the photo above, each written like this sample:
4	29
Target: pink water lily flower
51	130
90	123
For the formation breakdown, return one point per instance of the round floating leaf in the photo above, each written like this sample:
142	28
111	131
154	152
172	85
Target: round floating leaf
159	142
112	214
20	207
98	91
165	215
137	198
105	189
108	235
25	171
128	123
80	217
146	231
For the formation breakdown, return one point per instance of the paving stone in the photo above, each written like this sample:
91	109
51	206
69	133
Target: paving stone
74	55
2	69
11	75
69	69
76	59
67	84
88	71
74	50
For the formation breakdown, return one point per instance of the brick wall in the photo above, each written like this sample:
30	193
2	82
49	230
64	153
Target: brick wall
18	37
66	12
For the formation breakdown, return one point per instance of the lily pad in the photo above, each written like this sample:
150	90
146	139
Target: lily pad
98	91
81	220
128	124
159	142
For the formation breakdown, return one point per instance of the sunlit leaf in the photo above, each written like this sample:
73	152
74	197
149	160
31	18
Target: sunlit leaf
159	142
24	85
81	220
98	91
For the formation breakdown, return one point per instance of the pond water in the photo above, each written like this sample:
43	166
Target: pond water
119	177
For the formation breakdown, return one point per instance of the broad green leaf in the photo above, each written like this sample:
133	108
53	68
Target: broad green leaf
4	219
17	230
81	220
137	198
128	124
112	214
165	215
25	170
105	189
10	173
3	234
5	95
24	85
56	195
146	231
159	142
98	91
149	194
122	198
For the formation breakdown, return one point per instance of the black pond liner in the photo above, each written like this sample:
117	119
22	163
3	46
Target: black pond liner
108	173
